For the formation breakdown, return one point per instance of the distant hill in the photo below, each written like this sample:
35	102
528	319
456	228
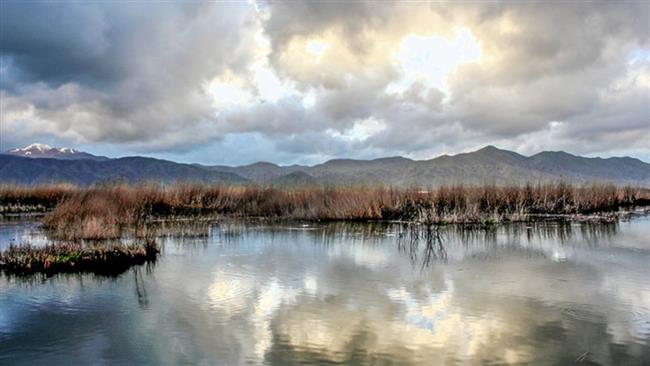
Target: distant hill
488	165
294	179
261	172
15	169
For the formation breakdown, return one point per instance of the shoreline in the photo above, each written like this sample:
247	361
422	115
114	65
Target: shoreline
486	218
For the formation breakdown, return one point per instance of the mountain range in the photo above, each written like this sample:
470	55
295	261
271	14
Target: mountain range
38	163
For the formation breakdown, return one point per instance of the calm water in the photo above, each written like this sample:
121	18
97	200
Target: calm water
347	294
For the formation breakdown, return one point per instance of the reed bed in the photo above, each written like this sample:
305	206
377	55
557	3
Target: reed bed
24	199
76	257
83	216
103	211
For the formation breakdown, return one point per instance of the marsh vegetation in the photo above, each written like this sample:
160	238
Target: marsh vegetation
99	212
102	212
100	258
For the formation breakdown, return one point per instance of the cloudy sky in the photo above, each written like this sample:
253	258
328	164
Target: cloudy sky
302	82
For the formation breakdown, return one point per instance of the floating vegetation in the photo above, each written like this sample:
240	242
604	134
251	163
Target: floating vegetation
100	258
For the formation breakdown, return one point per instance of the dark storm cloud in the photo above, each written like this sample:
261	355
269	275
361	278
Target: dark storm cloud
58	43
120	72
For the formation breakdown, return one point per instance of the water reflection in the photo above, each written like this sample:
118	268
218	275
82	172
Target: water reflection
410	236
19	230
350	294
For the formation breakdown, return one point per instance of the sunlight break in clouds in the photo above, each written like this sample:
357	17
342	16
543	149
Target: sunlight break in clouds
317	47
431	59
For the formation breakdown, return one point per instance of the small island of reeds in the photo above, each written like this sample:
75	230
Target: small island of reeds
76	215
107	259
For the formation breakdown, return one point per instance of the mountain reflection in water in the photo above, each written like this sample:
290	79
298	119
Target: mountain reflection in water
363	293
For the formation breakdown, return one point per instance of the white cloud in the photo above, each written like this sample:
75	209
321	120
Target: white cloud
429	59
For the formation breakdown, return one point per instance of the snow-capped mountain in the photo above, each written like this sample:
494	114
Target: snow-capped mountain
46	151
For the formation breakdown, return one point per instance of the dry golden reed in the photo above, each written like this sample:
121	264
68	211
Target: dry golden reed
100	211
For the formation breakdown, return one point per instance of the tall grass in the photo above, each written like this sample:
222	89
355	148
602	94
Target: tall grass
21	199
103	211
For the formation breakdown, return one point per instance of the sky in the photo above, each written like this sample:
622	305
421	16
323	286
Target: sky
303	82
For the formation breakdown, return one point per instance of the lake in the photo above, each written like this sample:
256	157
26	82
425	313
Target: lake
357	294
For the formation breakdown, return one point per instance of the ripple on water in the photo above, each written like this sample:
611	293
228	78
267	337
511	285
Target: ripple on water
617	314
581	312
230	292
629	314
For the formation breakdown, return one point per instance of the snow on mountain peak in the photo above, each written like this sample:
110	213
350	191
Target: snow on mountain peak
43	148
40	147
37	150
33	147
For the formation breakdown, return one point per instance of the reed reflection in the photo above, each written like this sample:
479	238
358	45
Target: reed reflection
360	294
